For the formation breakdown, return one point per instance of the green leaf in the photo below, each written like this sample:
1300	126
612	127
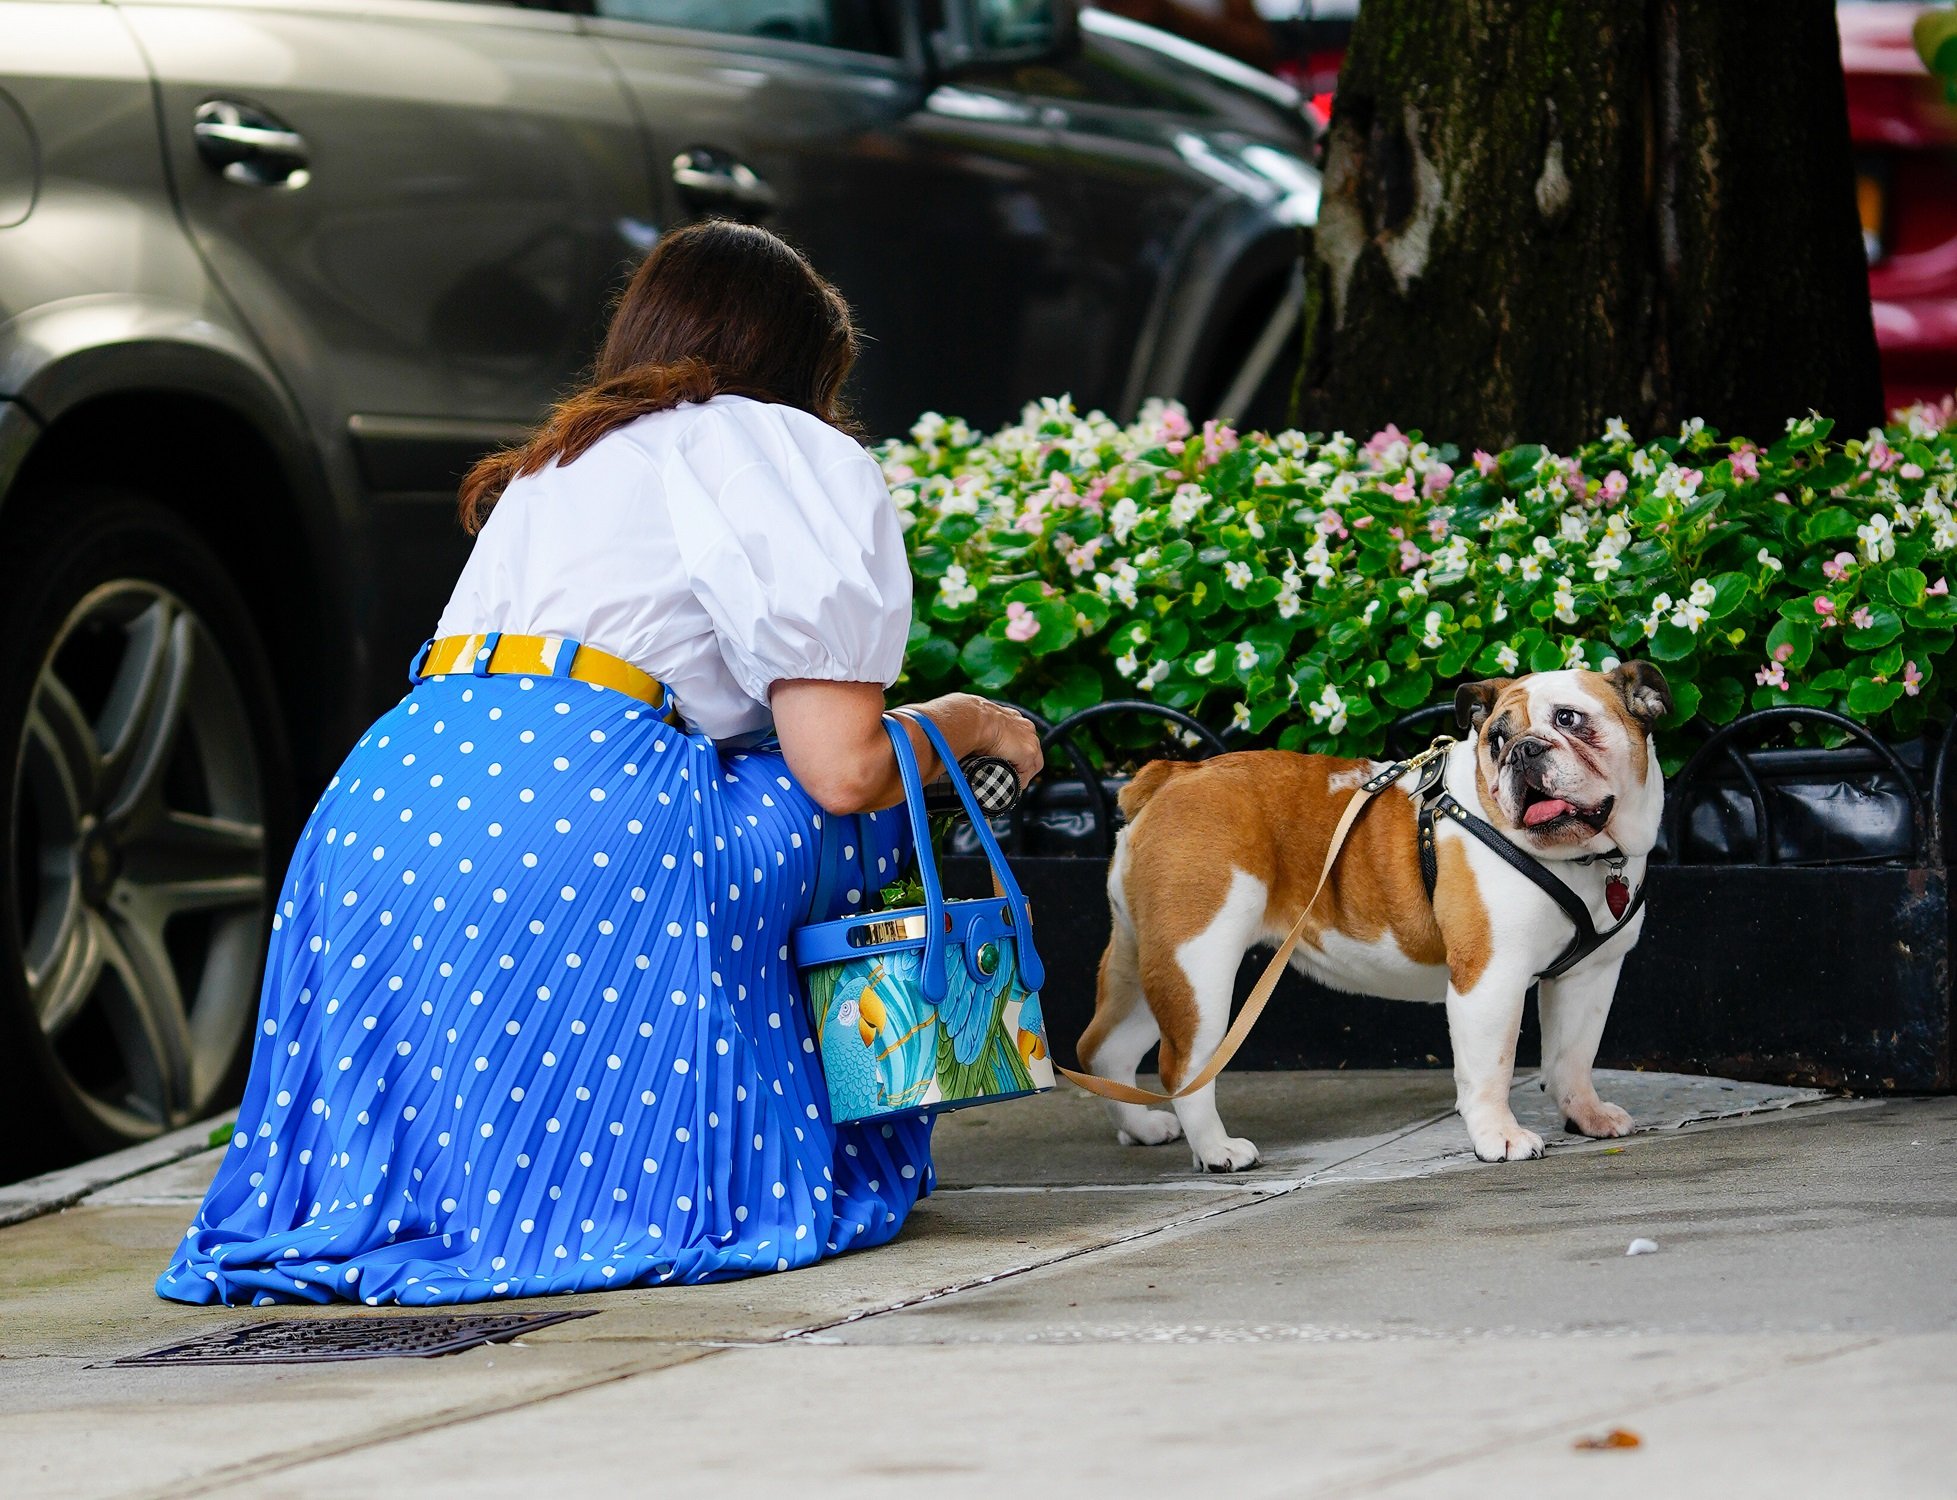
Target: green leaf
1721	699
1887	662
932	659
1057	627
1867	698
1076	686
1729	592
1884	626
1908	587
1671	643
1793	634
1546	656
991	664
1409	689
1686	697
1830	523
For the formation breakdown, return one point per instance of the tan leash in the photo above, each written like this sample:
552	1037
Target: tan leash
1267	982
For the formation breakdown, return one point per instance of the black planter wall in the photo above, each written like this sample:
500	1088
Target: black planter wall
1799	926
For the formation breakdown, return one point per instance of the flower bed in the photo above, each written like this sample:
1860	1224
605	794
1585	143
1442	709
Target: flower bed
1308	591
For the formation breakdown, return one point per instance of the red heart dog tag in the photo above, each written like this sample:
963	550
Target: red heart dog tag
1617	895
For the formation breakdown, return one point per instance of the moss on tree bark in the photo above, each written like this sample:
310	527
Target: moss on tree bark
1541	215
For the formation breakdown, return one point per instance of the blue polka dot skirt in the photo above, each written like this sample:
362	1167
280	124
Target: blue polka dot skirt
530	1025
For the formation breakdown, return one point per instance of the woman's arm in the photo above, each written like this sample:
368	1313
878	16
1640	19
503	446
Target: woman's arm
833	738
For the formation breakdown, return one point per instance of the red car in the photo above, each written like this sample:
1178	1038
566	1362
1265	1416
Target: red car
1905	136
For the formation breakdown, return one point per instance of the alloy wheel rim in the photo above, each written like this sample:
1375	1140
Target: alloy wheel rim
136	830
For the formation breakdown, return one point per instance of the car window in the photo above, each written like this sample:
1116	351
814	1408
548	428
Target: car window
854	25
1010	25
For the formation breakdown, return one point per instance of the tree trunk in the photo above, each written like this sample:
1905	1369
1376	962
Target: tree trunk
1541	215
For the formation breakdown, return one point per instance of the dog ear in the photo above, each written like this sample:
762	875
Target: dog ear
1472	700
1645	691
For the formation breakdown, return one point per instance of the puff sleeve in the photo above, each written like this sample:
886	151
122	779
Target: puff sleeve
790	541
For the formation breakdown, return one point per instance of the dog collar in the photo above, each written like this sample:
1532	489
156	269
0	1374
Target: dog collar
1435	802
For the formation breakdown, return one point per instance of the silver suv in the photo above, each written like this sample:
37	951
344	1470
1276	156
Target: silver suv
273	272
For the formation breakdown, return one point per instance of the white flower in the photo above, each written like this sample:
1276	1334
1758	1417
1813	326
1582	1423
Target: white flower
1542	546
1318	562
1506	659
1240	716
1431	631
1501	610
1642	465
1878	539
1564	601
1237	574
1329	710
1692	427
1660	607
1246	656
1505	514
1123	518
1504	564
1126	664
1574	526
1701	593
1205	664
955	587
1268	475
1288	603
1254	526
1187	503
1342	488
928	430
1415	587
1767	560
1616	432
1531	568
1573	657
1154	675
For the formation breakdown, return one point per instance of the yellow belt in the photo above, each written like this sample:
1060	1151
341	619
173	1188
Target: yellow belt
496	654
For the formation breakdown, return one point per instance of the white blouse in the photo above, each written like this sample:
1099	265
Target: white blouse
722	547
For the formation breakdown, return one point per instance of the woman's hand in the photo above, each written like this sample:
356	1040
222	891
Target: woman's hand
833	739
987	728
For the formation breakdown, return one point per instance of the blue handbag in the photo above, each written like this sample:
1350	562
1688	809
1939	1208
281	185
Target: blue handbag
928	1008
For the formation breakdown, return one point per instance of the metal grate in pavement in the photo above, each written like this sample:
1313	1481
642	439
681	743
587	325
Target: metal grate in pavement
318	1340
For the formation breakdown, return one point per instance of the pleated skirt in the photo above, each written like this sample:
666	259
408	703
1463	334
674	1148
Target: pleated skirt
530	1025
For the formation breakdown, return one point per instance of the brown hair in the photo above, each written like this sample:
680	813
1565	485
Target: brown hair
718	308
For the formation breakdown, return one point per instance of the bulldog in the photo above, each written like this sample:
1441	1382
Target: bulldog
1221	855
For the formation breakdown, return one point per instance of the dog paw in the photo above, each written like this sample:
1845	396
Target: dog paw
1596	1118
1233	1155
1156	1128
1508	1142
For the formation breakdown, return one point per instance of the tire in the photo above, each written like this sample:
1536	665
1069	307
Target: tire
147	800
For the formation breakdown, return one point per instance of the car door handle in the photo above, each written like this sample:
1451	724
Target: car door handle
704	175
249	146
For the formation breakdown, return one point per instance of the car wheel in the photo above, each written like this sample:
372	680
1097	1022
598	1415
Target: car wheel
147	793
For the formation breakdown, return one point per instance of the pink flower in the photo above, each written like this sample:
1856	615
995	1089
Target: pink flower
1772	675
1385	438
1615	484
1175	447
1825	607
1403	491
1781	652
1484	463
1217	440
1880	456
1437	527
1021	623
1941	586
1438	479
1330	523
1575	480
1911	471
1745	464
1029	522
1360	523
1837	567
1092	499
1174	425
1862	619
1912	679
1411	557
1398	533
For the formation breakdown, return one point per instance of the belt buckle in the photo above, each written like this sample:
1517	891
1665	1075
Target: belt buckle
485	657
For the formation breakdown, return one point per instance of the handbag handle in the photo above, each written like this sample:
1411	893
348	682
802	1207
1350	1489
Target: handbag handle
932	980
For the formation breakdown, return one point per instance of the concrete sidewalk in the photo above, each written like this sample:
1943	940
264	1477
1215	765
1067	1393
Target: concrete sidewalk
1369	1313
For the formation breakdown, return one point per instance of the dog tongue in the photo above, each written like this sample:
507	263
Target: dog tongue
1545	810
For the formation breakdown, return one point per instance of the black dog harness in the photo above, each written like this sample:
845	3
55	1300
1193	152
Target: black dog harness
1434	802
